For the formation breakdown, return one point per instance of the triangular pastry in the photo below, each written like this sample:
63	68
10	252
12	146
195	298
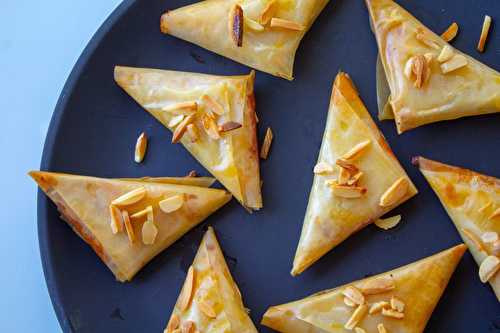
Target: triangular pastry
357	177
263	34
473	202
401	300
210	300
127	222
212	116
429	80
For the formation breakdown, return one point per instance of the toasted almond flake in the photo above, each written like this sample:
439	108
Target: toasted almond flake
253	25
182	108
388	223
355	179
392	313
378	285
395	192
128	227
347	165
423	37
187	290
356	317
266	144
495	214
181	128
420	69
456	62
236	25
377	307
142	213
354	294
489	237
381	328
450	33
359	330
176	120
286	24
116	219
484	33
173	323
192	173
188	327
130	198
397	304
229	126
356	151
207	309
446	54
268	12
349	302
322	168
172	204
193	132
213	105
210	127
488	268
475	239
408	70
344	176
348	192
140	147
149	233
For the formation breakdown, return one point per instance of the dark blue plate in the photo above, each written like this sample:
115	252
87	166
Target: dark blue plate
95	125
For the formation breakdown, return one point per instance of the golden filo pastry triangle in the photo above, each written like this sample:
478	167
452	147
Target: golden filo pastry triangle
429	80
401	300
210	300
127	222
263	34
472	200
212	116
357	177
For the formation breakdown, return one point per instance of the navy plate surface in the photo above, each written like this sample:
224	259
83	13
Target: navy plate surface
95	125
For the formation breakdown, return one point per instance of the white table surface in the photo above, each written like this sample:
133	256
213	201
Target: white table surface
40	42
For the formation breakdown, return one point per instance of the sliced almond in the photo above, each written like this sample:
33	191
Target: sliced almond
236	25
475	239
378	285
286	24
420	69
450	33
207	309
408	70
172	204
173	323
489	237
356	151
192	173
392	313
181	128
116	219
213	105
356	317
349	302
381	328
488	268
395	192
210	127
355	179
423	37
130	198
348	192
149	232
229	126
354	294
128	227
456	62
495	214
388	223
176	120
347	165
484	33
253	25
182	108
397	304
495	248
142	213
344	176
188	327
193	132
266	144
377	307
446	54
268	12
187	290
322	168
140	147
359	330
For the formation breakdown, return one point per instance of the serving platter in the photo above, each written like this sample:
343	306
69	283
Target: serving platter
95	125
